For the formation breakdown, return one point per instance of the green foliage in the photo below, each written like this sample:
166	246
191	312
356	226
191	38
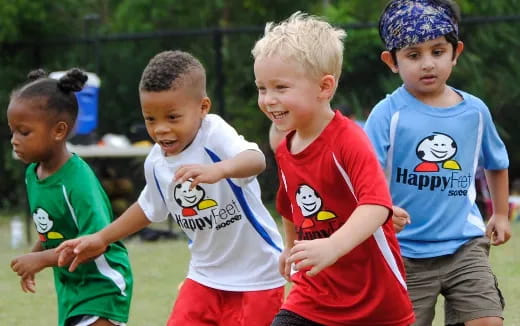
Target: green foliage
90	34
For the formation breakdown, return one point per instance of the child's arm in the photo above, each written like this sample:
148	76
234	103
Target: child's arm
321	253
245	164
93	245
27	265
498	228
275	137
284	267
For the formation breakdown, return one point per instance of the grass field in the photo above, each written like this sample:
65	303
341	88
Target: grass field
160	266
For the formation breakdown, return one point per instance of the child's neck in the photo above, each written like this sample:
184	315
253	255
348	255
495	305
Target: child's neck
445	99
303	137
53	164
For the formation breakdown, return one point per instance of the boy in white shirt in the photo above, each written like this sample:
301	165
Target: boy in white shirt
204	174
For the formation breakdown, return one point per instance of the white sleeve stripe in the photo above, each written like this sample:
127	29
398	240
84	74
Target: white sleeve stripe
382	243
69	205
472	193
390	155
285	186
116	277
379	235
345	176
101	261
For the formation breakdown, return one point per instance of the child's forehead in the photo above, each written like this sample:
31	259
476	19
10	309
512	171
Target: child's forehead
429	44
408	22
281	67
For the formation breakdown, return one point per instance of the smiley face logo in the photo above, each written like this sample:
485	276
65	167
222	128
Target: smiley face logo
186	197
434	149
308	200
43	222
437	147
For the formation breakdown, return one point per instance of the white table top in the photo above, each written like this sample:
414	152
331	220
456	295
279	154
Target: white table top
108	151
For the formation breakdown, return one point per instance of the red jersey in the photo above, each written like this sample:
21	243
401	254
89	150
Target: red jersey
319	189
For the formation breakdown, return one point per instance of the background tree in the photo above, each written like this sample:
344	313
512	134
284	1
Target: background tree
116	38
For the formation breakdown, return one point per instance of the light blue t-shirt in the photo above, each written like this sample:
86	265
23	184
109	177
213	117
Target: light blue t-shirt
430	156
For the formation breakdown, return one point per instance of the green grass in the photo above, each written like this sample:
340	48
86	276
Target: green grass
158	269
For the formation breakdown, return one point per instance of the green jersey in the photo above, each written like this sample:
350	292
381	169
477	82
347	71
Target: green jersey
68	204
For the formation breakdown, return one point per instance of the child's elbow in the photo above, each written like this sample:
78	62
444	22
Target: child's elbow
261	164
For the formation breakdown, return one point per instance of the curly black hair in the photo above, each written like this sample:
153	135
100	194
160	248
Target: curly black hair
170	70
56	95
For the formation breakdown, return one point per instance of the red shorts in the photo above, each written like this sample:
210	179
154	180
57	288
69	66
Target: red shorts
197	304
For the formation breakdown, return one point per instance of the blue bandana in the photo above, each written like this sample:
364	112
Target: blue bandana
409	22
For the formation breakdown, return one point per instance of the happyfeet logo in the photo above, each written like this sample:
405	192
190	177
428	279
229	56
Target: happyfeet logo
44	225
310	204
189	199
437	148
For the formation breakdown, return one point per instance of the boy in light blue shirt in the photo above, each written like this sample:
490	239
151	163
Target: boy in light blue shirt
430	137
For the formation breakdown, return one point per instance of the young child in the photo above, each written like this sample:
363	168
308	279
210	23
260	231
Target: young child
204	174
332	195
430	137
66	200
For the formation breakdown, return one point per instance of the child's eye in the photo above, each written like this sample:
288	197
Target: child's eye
413	55
173	116
281	87
438	52
260	88
148	119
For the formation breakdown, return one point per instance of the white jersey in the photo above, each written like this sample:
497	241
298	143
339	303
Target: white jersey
234	241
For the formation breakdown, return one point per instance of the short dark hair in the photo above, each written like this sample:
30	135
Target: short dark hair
56	95
172	70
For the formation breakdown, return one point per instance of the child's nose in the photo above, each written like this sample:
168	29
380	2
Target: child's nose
428	63
269	98
14	140
162	128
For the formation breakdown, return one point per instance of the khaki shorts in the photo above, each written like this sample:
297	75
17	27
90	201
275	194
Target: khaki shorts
465	280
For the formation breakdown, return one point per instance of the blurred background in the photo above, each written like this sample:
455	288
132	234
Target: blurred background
115	40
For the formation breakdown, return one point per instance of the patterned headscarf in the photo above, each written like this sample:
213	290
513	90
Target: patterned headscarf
408	22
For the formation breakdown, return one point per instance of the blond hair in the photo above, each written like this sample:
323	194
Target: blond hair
309	40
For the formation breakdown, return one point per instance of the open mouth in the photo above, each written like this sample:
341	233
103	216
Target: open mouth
167	143
279	115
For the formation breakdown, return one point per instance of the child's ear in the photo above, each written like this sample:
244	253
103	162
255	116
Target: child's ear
387	58
327	87
205	106
61	130
458	51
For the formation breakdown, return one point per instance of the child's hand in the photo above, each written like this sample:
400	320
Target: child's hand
314	254
199	173
400	218
66	256
28	264
498	229
284	267
83	248
28	284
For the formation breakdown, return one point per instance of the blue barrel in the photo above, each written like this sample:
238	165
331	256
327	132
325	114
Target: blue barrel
88	99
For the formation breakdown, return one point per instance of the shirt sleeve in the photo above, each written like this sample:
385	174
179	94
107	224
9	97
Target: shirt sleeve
88	203
365	173
283	205
225	142
494	152
152	200
377	127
